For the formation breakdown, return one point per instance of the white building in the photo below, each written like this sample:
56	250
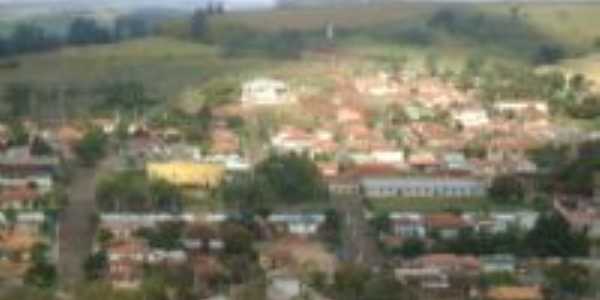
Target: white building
423	187
521	106
265	91
389	157
471	118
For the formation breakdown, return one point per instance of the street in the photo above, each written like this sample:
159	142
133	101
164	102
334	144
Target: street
359	244
77	229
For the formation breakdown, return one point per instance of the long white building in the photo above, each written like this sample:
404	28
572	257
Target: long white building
423	187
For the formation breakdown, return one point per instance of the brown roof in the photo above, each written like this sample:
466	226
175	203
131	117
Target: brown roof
515	293
446	221
450	261
23	193
372	169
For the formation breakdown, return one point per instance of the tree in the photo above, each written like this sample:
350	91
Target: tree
129	95
18	134
92	147
350	281
570	279
507	189
552	236
238	240
41	275
577	82
166	236
39	253
29	38
39	147
412	248
95	265
17	96
165	196
293	178
199	25
104	237
131	27
11	216
84	31
431	64
549	54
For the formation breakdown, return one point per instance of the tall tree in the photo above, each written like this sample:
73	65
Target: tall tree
83	31
199	25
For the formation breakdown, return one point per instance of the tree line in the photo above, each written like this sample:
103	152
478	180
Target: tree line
31	38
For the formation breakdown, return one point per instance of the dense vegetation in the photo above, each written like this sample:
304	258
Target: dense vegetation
280	179
28	38
131	191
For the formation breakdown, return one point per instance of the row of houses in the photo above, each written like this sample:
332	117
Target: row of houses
439	272
127	253
407	225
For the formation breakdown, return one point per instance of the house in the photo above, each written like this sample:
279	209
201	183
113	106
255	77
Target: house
496	222
125	274
471	118
381	84
498	263
297	224
132	250
446	225
349	115
202	237
395	158
292	139
124	226
18	197
455	161
295	254
580	216
408	225
328	169
515	293
107	125
519	107
450	263
422	187
266	91
224	141
423	161
425	277
30	222
187	173
19	168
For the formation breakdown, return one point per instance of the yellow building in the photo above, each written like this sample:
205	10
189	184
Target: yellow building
189	174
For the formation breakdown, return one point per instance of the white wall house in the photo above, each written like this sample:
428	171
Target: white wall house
423	187
265	91
471	118
521	106
389	157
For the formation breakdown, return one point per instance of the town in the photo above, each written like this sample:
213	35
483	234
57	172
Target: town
380	179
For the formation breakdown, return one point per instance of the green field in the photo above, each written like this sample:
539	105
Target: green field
165	65
435	204
576	23
168	66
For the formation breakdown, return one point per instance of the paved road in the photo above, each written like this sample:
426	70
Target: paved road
76	227
359	242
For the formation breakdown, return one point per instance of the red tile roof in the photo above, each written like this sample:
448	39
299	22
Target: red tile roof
446	221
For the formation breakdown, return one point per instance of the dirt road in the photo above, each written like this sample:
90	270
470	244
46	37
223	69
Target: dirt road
77	228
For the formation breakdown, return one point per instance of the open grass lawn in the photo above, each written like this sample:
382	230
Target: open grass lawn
317	18
434	204
166	66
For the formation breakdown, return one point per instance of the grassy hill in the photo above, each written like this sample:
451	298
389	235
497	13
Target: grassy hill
168	65
572	22
165	65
